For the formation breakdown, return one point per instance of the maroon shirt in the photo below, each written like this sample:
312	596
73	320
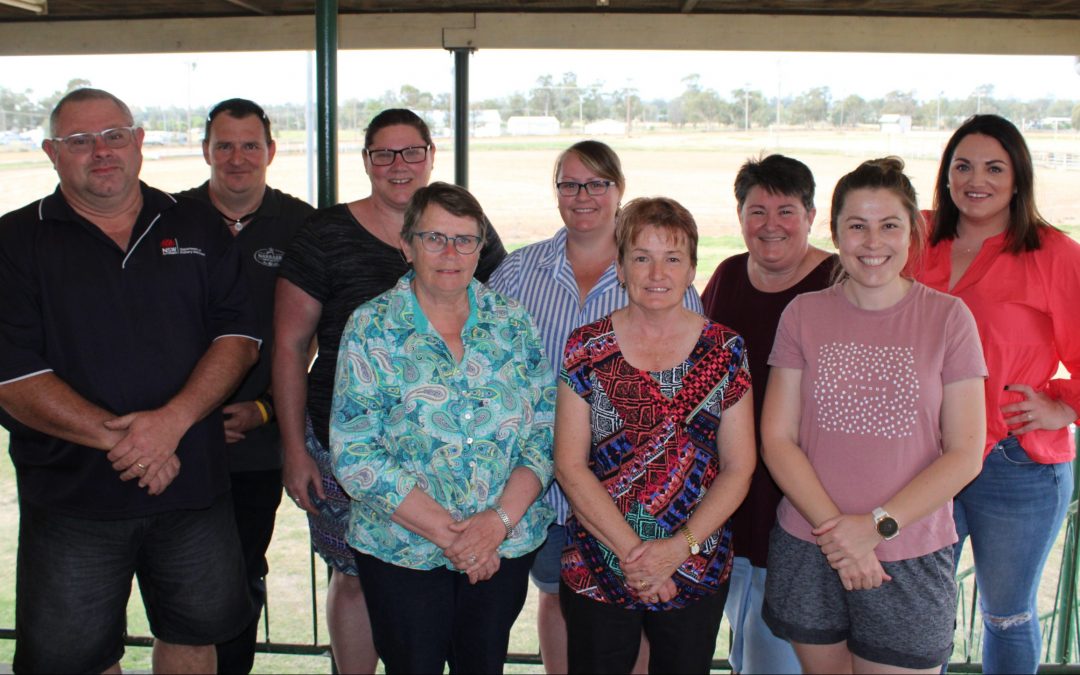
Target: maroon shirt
731	299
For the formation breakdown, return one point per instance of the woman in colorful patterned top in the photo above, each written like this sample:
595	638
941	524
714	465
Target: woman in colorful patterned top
655	448
441	432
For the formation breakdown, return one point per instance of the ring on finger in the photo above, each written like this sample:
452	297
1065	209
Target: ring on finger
472	560
141	465
1030	417
643	584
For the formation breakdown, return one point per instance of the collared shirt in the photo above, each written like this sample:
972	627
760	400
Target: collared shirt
124	329
406	415
262	242
540	277
1025	305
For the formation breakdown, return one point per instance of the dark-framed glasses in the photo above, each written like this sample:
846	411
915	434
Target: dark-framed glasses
414	154
83	143
435	242
594	188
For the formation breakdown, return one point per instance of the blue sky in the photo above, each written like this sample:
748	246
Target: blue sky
276	77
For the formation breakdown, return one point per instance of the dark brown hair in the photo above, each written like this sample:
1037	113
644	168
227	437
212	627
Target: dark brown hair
1024	218
885	173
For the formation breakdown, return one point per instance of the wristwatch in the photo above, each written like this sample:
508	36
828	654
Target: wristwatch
886	525
695	547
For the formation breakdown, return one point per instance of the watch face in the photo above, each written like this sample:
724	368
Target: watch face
695	549
887	527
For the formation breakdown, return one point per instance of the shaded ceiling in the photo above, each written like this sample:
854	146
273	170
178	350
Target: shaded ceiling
58	10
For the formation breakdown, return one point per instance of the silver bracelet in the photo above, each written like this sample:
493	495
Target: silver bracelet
498	509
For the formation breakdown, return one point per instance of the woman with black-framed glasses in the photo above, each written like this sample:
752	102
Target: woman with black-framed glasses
441	433
342	257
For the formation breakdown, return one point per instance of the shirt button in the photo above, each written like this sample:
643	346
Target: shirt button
468	416
468	440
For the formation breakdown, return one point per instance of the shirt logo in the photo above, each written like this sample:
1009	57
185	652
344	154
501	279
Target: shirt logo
270	257
173	247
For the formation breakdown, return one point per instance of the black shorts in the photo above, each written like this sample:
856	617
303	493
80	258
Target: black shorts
74	578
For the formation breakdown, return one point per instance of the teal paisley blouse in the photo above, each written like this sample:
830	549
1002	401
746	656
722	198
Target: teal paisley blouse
407	416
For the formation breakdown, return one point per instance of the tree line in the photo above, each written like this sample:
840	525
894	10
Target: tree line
576	105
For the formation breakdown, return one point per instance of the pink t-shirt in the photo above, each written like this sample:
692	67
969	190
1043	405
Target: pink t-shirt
872	387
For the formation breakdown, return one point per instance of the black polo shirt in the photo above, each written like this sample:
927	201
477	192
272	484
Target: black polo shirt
263	242
125	330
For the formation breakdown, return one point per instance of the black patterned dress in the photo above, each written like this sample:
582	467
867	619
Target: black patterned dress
654	449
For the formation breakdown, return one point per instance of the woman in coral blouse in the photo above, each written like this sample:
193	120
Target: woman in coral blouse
1021	279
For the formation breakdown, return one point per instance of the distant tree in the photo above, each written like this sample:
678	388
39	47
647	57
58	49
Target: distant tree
851	111
811	107
1076	116
900	103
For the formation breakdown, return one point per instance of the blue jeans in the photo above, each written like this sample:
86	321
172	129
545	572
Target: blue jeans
1012	511
754	649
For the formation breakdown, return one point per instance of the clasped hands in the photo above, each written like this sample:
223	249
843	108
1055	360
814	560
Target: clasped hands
649	567
146	447
474	548
848	543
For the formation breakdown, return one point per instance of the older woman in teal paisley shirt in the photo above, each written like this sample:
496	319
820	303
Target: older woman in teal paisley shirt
441	433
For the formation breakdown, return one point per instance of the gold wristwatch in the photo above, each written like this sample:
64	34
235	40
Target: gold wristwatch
695	547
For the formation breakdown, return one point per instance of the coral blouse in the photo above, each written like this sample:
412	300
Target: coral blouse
1027	308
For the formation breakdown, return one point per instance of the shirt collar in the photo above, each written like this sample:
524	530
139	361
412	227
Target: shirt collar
56	207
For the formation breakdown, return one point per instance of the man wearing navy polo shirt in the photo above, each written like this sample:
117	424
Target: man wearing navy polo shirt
239	148
124	324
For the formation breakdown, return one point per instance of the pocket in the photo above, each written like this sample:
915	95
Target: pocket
1013	452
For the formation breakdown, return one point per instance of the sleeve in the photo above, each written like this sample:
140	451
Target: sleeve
22	334
536	453
787	351
491	255
305	263
231	311
361	461
963	357
710	296
692	301
577	367
738	371
507	276
1063	293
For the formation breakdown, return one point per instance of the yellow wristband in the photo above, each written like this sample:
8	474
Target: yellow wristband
262	411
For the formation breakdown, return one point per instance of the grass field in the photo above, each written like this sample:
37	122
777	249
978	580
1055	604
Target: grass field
512	177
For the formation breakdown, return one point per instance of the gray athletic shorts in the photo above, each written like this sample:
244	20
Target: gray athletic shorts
907	622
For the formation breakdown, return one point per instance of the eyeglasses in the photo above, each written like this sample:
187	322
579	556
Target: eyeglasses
435	242
414	154
594	188
81	144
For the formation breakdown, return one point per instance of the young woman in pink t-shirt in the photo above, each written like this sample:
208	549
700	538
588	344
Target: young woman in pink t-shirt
872	422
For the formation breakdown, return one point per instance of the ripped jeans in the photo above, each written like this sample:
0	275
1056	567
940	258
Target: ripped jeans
1012	511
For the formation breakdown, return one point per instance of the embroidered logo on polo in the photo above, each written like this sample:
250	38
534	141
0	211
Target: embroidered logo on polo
270	257
173	247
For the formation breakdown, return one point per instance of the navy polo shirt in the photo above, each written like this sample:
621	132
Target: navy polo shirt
124	330
262	244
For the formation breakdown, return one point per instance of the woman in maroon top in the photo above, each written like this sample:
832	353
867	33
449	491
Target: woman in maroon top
748	292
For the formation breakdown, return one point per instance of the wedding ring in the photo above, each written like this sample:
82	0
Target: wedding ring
472	560
643	585
141	465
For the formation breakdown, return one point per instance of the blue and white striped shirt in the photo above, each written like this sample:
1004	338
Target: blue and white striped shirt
540	277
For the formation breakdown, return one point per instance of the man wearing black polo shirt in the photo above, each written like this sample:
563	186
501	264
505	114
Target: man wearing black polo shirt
238	147
124	324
